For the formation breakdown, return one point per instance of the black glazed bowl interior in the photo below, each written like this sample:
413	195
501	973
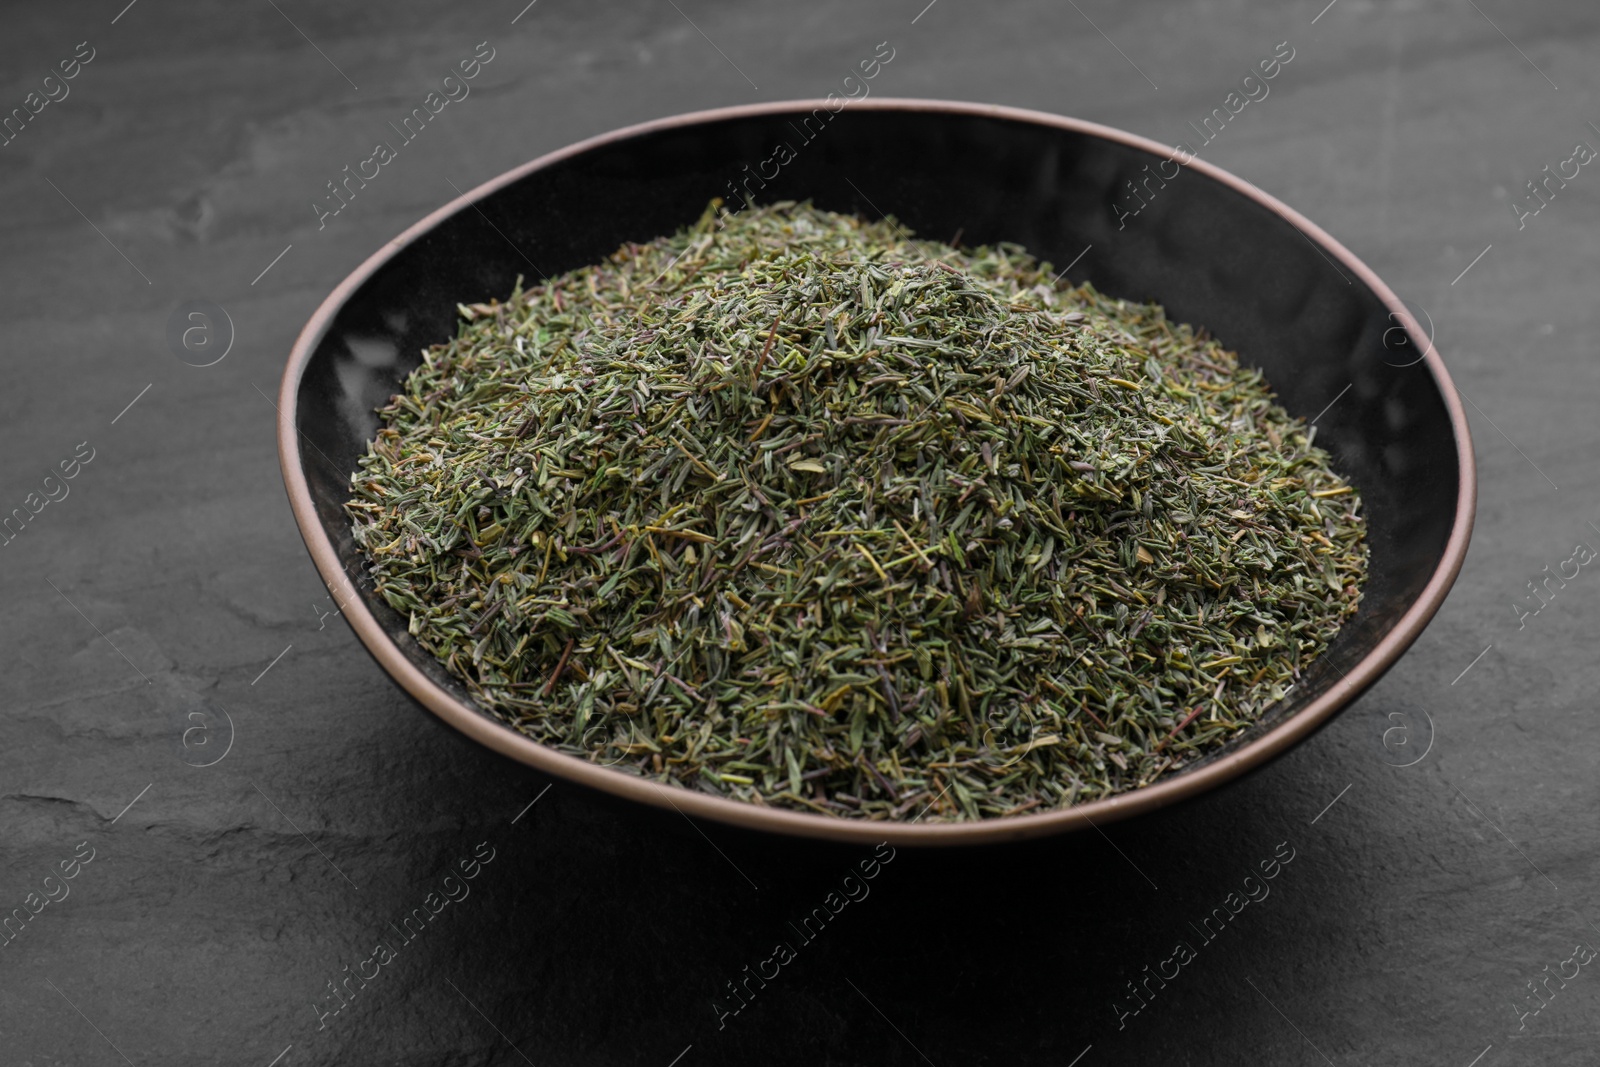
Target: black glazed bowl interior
1215	251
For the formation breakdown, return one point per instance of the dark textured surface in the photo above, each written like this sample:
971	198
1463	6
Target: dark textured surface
207	924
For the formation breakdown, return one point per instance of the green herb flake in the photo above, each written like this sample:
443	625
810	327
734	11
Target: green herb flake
796	510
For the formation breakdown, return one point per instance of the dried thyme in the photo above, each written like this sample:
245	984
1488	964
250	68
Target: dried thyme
799	511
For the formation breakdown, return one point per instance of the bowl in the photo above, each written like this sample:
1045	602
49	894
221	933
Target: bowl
1133	217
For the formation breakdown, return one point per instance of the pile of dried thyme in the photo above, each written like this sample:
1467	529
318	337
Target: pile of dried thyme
794	509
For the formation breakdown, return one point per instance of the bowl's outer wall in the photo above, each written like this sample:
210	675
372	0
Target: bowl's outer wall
1213	256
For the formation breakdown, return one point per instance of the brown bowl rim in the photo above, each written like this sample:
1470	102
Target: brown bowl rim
507	741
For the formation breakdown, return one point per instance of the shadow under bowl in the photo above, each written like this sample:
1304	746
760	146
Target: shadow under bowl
1332	340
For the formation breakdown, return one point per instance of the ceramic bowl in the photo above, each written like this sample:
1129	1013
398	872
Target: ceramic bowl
1117	210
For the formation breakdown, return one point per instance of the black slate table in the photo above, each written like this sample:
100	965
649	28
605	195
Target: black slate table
248	808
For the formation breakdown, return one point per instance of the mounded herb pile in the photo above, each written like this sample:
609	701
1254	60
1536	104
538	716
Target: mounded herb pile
793	509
